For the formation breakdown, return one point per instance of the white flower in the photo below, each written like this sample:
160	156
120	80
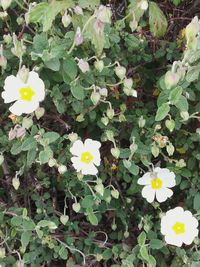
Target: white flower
86	156
26	95
157	184
179	227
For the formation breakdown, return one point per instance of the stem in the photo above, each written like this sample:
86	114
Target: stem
70	248
19	4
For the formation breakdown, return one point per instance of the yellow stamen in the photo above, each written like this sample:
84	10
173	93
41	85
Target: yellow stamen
86	157
156	183
179	228
26	94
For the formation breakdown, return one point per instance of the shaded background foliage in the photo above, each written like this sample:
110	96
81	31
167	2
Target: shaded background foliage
110	229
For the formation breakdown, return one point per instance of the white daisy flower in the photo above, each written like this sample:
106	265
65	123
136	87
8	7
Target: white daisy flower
157	184
26	95
179	227
86	156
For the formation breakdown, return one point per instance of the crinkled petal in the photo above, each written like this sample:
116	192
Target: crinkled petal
20	107
37	85
77	148
12	84
89	169
175	240
9	96
148	193
163	193
190	235
166	176
145	179
92	144
76	163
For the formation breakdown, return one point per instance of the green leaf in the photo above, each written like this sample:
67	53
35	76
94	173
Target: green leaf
51	136
144	253
36	13
40	42
25	238
70	68
63	253
175	94
142	238
151	261
16	221
92	218
16	148
133	168
89	4
157	20
182	103
193	74
156	244
196	203
31	155
162	111
45	155
87	202
28	225
29	143
78	91
53	64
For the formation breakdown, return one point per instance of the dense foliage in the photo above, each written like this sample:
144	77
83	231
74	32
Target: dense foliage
125	74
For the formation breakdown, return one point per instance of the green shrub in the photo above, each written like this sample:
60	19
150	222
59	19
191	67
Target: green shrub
99	137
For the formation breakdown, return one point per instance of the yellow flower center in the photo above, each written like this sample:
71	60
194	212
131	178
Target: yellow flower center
26	94
156	183
86	157
179	228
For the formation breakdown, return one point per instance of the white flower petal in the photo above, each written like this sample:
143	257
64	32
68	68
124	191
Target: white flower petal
76	163
145	179
190	235
174	240
166	176
163	193
20	107
12	83
77	148
89	169
148	193
9	96
92	144
37	85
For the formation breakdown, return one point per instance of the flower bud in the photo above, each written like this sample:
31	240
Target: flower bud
155	151
78	37
122	118
27	123
2	253
141	122
104	14
99	65
115	152
78	10
52	162
62	169
103	92
5	3
170	149
110	113
170	124
80	118
126	234
133	93
20	131
19	49
80	176
181	163
133	148
7	38
64	219
114	193
76	207
120	72
95	97
3	15
3	62
39	113
127	91
144	5
114	226
1	159
83	65
128	82
99	188
185	115
16	182
73	137
105	120
66	19
171	79
109	135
